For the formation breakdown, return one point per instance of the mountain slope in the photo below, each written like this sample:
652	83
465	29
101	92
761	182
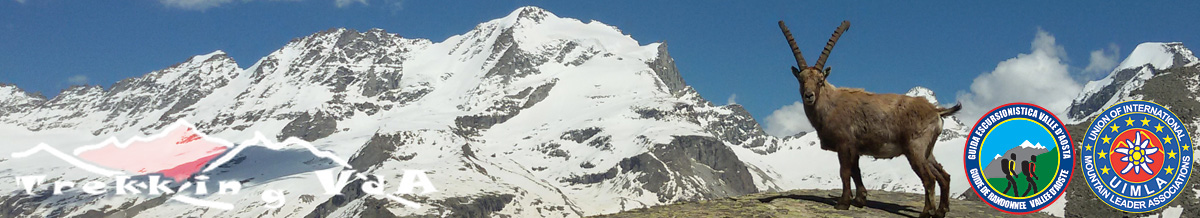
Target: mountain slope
13	99
1146	61
1165	73
530	114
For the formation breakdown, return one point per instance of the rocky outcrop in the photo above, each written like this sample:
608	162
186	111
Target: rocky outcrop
1084	107
664	67
309	126
13	99
691	156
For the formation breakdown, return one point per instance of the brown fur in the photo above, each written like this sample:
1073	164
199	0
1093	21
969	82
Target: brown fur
855	123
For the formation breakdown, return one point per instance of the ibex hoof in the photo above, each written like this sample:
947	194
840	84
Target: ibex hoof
842	207
860	202
925	214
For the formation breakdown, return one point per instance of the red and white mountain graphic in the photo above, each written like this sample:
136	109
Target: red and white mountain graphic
178	152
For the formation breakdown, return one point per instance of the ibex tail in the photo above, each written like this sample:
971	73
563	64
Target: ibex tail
945	112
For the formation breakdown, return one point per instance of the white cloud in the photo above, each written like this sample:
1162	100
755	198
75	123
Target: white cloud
397	5
78	80
732	99
21	1
1040	77
1102	62
787	120
344	3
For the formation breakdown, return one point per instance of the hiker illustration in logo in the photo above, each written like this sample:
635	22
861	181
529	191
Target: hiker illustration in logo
1018	158
1137	156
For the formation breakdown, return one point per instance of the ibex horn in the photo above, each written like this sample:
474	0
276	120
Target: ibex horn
832	40
792	42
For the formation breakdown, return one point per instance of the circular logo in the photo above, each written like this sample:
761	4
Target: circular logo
1137	156
1018	158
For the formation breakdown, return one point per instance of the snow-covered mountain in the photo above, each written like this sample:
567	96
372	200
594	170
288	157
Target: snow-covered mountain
530	114
1165	73
1148	60
13	99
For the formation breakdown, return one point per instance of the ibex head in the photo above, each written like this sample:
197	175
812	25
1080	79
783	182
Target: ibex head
812	78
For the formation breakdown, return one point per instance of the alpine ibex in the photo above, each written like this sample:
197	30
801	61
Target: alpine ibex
854	122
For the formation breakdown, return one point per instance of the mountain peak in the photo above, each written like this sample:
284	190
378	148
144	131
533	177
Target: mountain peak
531	12
11	90
13	99
217	52
206	57
199	64
526	16
1130	75
922	92
1161	55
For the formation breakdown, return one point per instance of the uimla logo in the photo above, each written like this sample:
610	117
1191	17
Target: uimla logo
1137	156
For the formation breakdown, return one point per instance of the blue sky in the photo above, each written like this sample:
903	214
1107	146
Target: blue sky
722	48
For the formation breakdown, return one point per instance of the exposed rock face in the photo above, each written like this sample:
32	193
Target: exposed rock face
1084	107
502	110
13	99
664	67
309	127
163	94
724	174
728	176
580	135
738	127
514	62
379	148
475	206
